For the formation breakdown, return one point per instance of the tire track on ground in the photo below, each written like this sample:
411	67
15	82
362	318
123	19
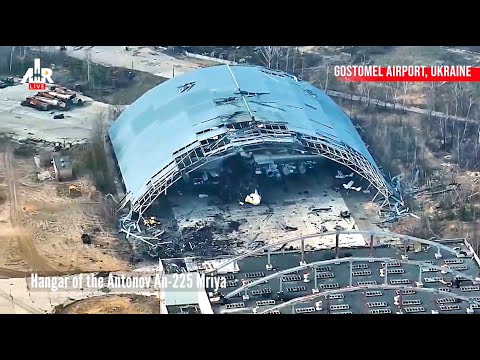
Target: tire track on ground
23	241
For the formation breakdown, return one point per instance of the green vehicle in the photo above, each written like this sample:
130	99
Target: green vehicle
9	81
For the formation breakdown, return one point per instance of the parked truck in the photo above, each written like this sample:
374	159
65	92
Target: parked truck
36	104
66	94
9	81
63	90
55	103
55	96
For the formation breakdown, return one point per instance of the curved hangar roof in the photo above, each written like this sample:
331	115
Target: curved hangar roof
222	108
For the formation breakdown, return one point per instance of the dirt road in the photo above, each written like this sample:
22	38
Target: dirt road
21	236
16	303
6	273
11	184
41	226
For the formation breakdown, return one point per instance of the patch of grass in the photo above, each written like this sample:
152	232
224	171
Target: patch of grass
428	227
92	159
24	150
466	212
409	55
126	95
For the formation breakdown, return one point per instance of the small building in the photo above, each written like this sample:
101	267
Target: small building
62	167
184	293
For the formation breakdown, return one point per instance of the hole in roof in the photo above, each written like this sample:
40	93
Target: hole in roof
321	123
250	94
274	73
186	87
310	92
224	101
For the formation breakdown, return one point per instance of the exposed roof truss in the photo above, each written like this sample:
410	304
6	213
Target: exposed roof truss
241	138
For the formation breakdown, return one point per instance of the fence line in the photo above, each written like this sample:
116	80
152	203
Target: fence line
209	58
397	106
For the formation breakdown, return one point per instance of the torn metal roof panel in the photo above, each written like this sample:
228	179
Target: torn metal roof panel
185	108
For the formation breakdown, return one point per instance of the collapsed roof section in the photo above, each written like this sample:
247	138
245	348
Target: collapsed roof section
189	120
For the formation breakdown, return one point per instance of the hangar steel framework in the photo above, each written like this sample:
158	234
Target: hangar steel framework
371	233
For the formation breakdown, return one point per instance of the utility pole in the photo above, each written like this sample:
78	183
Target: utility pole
303	65
327	73
11	57
22	56
88	59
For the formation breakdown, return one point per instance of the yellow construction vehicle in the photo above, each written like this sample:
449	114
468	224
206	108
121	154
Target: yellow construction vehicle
151	222
73	191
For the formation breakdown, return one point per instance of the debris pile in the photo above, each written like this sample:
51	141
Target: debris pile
432	189
200	237
45	175
164	238
148	235
86	239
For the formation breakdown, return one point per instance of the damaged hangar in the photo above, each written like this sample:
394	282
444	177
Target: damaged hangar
212	113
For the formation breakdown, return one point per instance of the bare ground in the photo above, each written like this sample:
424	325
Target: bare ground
113	304
41	226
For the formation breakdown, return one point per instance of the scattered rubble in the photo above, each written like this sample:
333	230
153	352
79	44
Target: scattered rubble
86	239
45	175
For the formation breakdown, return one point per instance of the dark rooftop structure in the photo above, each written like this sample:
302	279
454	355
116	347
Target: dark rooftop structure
398	278
184	309
62	167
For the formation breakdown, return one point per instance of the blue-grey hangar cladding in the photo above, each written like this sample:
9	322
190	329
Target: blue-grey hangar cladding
190	120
